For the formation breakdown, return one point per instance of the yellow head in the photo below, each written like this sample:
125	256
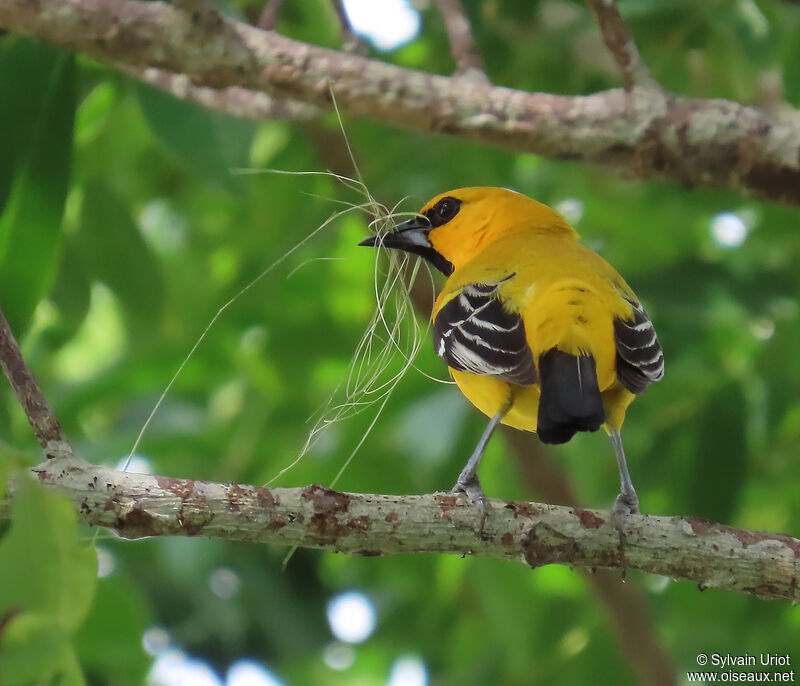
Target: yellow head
455	226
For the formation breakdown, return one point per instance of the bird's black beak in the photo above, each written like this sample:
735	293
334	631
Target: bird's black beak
411	233
412	236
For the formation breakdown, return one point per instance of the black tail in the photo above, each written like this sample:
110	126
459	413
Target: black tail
570	399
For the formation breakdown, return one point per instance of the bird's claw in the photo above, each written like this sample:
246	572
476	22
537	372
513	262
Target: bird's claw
626	503
472	489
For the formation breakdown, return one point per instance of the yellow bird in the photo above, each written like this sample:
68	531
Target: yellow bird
538	332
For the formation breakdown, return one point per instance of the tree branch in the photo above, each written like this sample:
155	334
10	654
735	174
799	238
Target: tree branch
624	604
645	134
713	555
462	44
621	45
350	41
45	425
238	102
269	15
137	505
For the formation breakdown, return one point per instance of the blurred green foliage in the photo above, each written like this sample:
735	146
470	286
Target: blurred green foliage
47	583
121	236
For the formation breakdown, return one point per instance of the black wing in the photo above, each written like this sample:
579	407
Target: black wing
640	360
474	333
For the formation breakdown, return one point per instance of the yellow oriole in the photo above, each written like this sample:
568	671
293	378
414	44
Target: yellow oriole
539	332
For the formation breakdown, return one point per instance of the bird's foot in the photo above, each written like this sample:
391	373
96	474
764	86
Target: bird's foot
626	503
472	489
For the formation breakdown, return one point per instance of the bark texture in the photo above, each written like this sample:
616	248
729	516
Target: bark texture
641	133
710	554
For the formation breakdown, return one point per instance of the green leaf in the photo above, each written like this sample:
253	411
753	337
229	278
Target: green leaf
208	142
36	119
116	654
791	70
71	672
720	465
93	113
113	250
4	460
22	63
43	569
35	648
71	295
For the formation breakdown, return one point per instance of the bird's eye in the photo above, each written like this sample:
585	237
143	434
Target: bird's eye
446	209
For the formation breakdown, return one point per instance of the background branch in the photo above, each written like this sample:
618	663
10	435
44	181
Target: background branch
621	45
647	134
462	43
42	420
350	41
624	604
269	15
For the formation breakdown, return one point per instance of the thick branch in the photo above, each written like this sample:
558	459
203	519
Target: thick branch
238	102
620	44
644	134
710	554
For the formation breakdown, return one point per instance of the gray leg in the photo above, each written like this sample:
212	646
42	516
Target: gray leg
627	501
470	472
467	481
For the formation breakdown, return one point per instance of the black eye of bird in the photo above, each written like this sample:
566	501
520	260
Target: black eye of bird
443	211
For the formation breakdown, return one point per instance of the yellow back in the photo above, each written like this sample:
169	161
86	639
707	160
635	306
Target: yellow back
568	295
